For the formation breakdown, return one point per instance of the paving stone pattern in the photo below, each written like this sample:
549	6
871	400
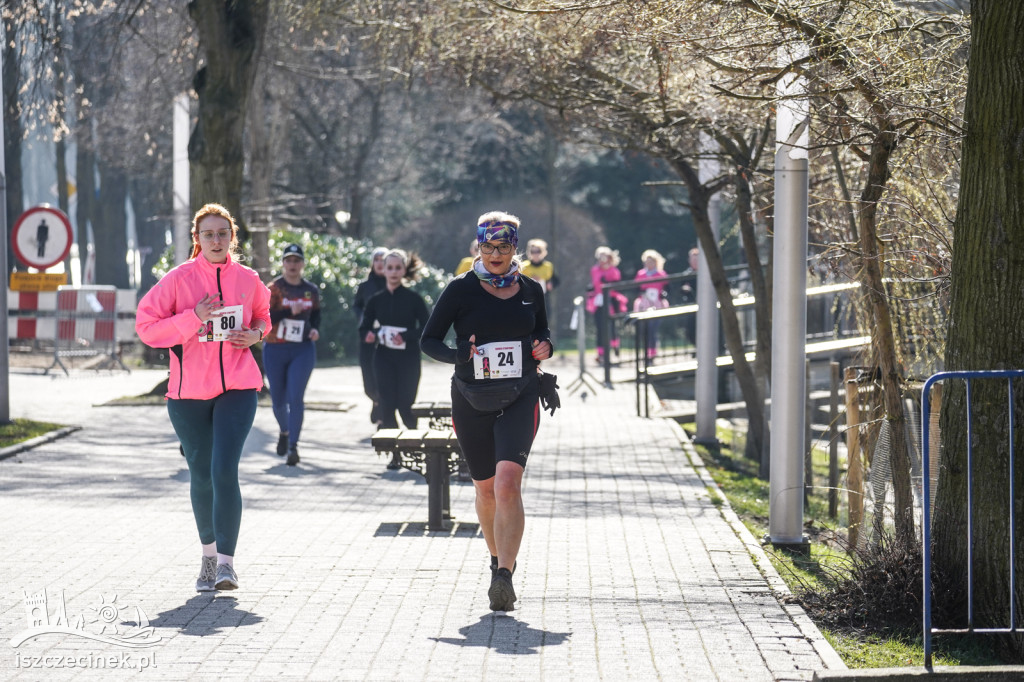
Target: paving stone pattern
627	570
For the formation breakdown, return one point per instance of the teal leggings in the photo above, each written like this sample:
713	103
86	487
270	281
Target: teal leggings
212	433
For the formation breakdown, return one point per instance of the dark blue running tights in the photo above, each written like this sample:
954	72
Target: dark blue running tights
212	433
288	367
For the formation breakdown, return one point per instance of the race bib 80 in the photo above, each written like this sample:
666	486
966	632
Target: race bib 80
498	360
218	328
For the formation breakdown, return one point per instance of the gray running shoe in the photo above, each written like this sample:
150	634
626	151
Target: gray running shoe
226	578
501	593
207	574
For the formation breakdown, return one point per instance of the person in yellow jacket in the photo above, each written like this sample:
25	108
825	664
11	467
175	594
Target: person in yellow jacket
536	268
466	264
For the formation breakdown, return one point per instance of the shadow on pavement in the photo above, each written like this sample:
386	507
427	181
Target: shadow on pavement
506	635
206	614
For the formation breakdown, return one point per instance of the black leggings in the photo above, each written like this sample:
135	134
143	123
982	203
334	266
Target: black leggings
487	438
397	373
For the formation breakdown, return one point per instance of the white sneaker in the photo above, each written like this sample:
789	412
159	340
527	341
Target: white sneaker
226	578
207	575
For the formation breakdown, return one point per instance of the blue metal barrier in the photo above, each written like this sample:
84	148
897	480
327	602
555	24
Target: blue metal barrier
926	530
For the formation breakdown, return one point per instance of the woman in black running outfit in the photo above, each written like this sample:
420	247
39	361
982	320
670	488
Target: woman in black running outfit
501	335
401	314
373	283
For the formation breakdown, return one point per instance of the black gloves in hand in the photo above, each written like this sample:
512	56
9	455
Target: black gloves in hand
548	392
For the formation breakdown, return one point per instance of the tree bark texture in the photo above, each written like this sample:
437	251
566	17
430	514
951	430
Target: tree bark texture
230	36
882	337
986	309
109	227
744	372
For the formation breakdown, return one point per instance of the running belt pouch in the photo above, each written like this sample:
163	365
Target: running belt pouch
491	396
548	392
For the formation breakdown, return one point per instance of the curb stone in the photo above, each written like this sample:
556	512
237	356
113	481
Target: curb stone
13	450
779	588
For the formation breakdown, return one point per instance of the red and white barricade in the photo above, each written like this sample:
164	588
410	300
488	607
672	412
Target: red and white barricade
81	321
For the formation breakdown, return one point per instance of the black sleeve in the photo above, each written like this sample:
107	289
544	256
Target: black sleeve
367	318
540	328
437	325
314	314
422	314
359	301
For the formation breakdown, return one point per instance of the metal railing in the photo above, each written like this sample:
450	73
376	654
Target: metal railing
926	531
834	333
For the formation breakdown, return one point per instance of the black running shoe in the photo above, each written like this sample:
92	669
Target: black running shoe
396	462
282	444
501	593
293	456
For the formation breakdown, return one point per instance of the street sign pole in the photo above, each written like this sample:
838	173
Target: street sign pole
5	357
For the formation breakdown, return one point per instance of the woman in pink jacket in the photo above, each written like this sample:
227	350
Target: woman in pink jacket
605	271
208	311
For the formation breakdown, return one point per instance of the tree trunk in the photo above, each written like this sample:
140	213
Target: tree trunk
230	35
882	336
109	228
986	308
152	202
699	199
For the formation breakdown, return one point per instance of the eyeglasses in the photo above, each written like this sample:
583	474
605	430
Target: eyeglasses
504	248
210	235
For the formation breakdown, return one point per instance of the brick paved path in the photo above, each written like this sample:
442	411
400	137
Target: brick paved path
627	570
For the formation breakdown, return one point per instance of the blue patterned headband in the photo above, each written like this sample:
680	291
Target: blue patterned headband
497	231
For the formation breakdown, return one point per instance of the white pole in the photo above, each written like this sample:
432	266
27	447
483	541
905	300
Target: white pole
789	308
706	381
5	360
180	179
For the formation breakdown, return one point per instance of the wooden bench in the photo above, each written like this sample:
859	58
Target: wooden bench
434	455
439	416
439	413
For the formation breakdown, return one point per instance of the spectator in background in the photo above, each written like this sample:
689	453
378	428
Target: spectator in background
537	268
374	282
654	266
652	296
466	264
689	292
605	271
289	349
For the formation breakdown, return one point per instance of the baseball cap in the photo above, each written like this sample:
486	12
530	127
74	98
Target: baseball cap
293	250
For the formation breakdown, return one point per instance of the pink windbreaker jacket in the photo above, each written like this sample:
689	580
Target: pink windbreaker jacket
166	319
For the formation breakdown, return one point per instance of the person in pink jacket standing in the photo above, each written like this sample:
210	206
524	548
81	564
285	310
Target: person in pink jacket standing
208	311
604	271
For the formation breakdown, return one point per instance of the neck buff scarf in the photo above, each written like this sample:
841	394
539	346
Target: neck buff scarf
497	281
